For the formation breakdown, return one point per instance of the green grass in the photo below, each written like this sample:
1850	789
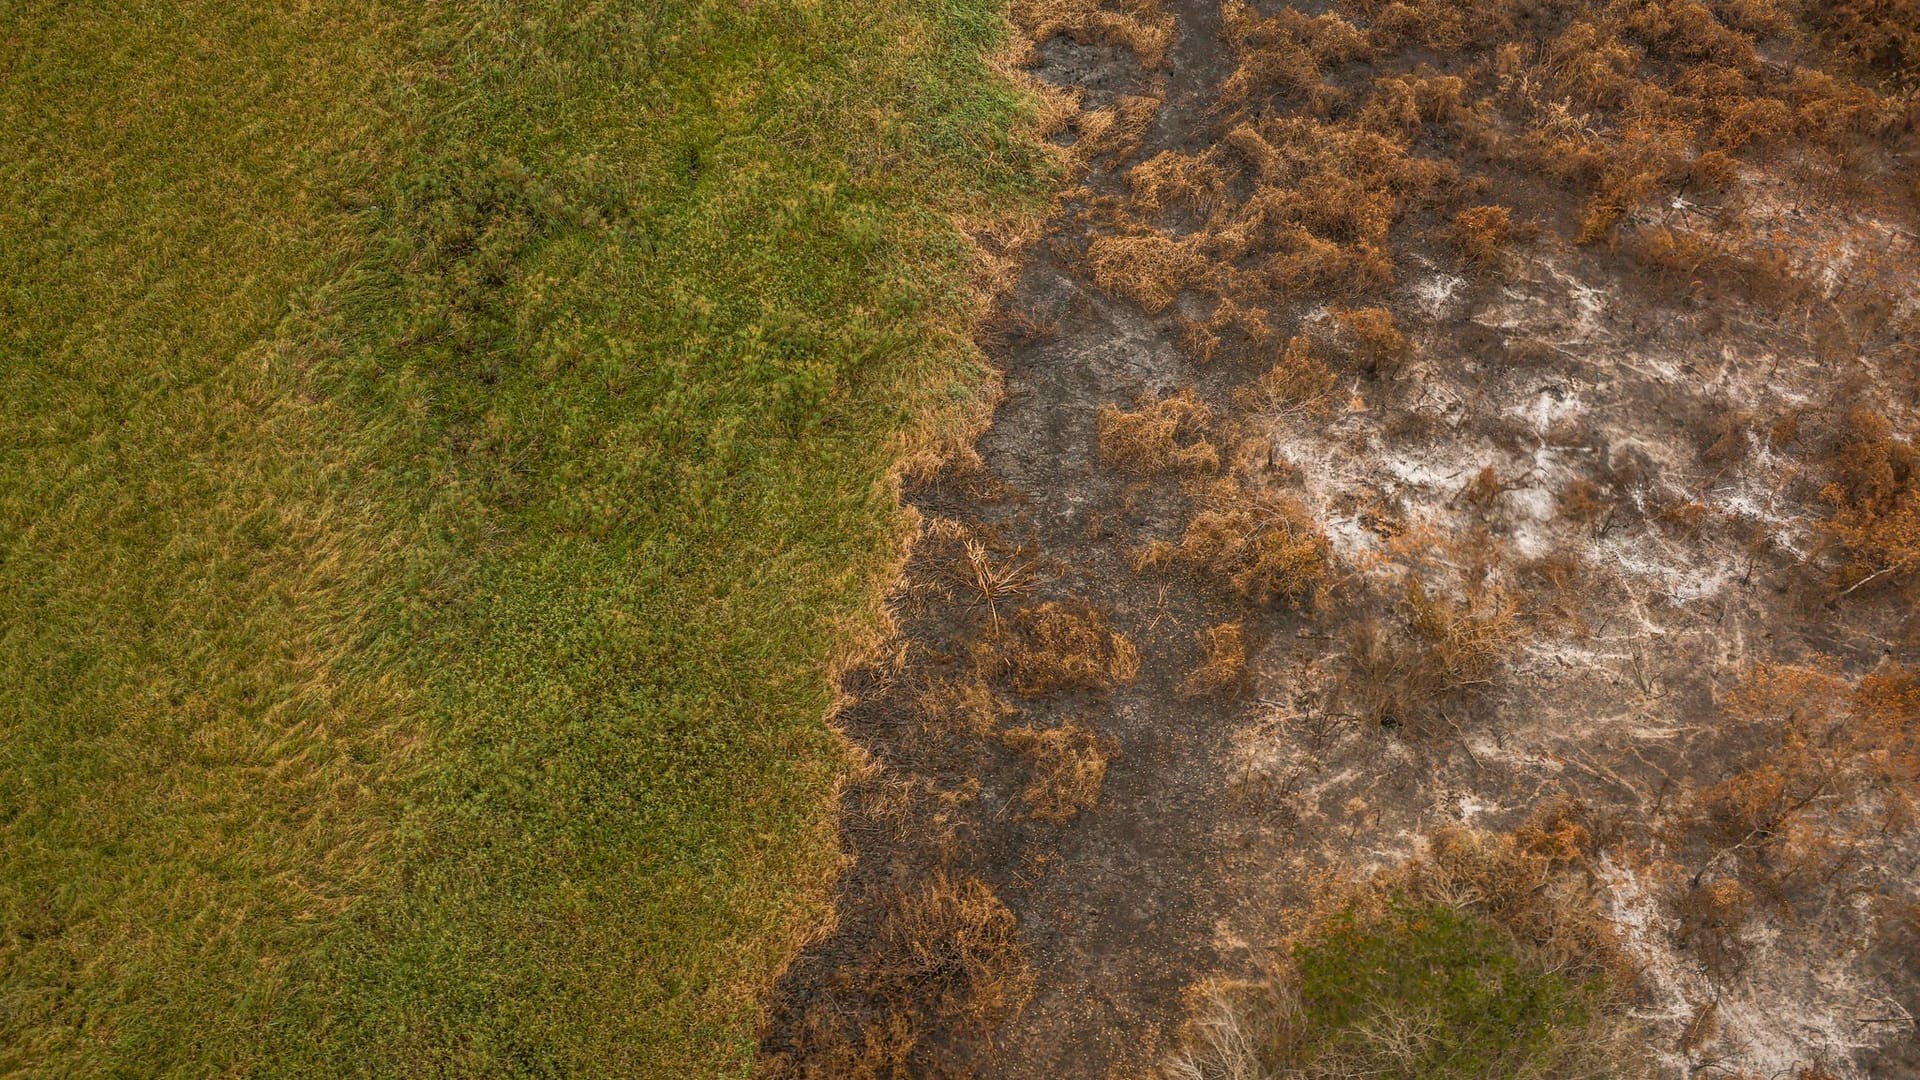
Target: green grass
1429	992
444	447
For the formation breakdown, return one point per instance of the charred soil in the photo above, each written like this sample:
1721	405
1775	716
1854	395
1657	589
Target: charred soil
1422	416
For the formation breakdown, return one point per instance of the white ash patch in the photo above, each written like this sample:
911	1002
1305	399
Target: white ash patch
1779	1016
1435	293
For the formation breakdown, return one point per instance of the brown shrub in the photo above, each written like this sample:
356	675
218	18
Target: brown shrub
1165	433
1061	647
1791	810
1873	492
1069	765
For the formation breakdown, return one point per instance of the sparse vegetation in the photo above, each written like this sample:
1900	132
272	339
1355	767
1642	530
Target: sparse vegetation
1069	764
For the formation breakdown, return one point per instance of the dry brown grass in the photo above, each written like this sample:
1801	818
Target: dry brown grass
1162	434
1059	647
1411	671
1481	231
1069	765
1264	544
1143	27
1148	269
1297	382
966	704
947	957
1225	660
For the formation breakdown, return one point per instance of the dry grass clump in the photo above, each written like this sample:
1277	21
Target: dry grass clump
1068	647
1226	658
1148	269
1069	765
1164	433
1378	344
1265	544
1873	490
1171	178
1143	27
1407	672
946	957
1117	130
1297	382
1481	231
1286	52
972	562
1486	956
967	705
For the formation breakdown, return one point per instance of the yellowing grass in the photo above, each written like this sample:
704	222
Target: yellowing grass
442	448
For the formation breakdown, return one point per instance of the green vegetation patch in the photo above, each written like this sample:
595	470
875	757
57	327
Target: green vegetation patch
444	449
1432	992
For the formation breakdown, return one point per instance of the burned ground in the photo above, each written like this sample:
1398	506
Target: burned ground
1420	415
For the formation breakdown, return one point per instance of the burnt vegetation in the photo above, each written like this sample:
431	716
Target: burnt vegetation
1515	428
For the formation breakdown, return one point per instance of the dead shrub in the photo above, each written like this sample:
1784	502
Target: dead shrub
1226	659
1873	492
1165	433
1815	767
1712	914
1069	765
1581	500
1061	647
